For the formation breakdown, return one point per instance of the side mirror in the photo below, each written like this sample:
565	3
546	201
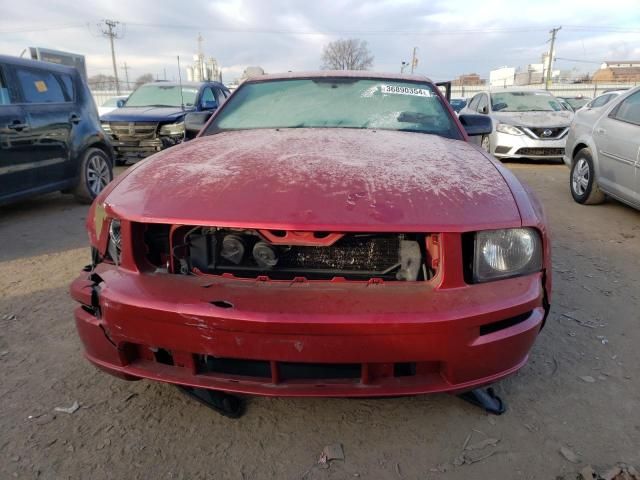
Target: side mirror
194	121
484	110
209	105
476	124
120	103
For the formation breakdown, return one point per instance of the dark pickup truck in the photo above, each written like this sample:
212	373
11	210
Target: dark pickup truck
152	118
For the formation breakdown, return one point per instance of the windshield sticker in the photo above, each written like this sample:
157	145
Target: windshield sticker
399	90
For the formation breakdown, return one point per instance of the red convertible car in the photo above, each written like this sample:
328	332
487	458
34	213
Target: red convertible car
326	234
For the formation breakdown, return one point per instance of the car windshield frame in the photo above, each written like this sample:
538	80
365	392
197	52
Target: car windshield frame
174	100
278	108
500	98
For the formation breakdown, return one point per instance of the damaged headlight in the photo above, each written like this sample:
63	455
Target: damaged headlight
506	253
114	248
172	129
508	129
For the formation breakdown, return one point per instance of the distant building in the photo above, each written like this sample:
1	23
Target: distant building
614	71
61	58
534	73
251	72
502	77
468	79
203	70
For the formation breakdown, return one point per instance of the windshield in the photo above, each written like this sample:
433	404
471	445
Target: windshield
159	95
336	102
458	104
524	102
577	103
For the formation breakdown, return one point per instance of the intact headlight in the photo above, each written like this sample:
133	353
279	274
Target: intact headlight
172	129
106	127
509	129
115	241
506	253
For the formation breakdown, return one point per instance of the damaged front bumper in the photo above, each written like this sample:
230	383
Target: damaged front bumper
302	338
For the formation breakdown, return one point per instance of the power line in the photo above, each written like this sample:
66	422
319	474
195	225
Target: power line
43	28
476	31
577	60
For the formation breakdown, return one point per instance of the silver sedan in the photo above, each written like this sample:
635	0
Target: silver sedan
603	151
526	123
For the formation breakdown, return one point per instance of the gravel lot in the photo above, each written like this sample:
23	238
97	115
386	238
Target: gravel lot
580	391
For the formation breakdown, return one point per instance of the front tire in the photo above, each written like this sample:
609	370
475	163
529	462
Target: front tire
582	180
96	172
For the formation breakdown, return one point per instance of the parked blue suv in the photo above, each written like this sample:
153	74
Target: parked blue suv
152	118
50	135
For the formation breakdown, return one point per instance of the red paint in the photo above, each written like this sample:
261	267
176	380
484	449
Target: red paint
303	181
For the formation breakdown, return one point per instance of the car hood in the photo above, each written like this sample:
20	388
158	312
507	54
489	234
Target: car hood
145	114
535	119
318	179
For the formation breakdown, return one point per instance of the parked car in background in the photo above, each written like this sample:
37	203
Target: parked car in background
565	104
602	100
577	102
111	104
526	123
603	152
326	234
152	118
458	104
50	135
591	111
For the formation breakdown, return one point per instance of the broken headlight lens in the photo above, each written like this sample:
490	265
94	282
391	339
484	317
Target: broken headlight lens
115	241
172	129
506	253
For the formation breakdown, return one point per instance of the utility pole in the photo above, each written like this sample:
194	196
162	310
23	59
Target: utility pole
414	60
126	75
109	30
553	33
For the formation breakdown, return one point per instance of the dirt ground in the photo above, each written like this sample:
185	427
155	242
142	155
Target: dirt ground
580	390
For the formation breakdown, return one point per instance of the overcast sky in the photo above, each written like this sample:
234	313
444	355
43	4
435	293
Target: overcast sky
453	37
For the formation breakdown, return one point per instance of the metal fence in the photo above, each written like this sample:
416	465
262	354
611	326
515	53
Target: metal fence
590	90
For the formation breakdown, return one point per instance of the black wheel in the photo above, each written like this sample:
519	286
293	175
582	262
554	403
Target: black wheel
95	173
582	181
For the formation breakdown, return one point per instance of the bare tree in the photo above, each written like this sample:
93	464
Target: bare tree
142	79
347	54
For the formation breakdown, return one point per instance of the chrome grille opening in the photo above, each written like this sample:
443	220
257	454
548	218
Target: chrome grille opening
280	255
541	152
133	130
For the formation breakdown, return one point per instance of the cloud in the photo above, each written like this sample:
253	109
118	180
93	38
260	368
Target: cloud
280	35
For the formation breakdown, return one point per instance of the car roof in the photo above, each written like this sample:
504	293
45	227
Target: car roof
27	62
365	74
520	90
185	84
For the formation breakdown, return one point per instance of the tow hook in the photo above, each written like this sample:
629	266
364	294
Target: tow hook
226	405
486	399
